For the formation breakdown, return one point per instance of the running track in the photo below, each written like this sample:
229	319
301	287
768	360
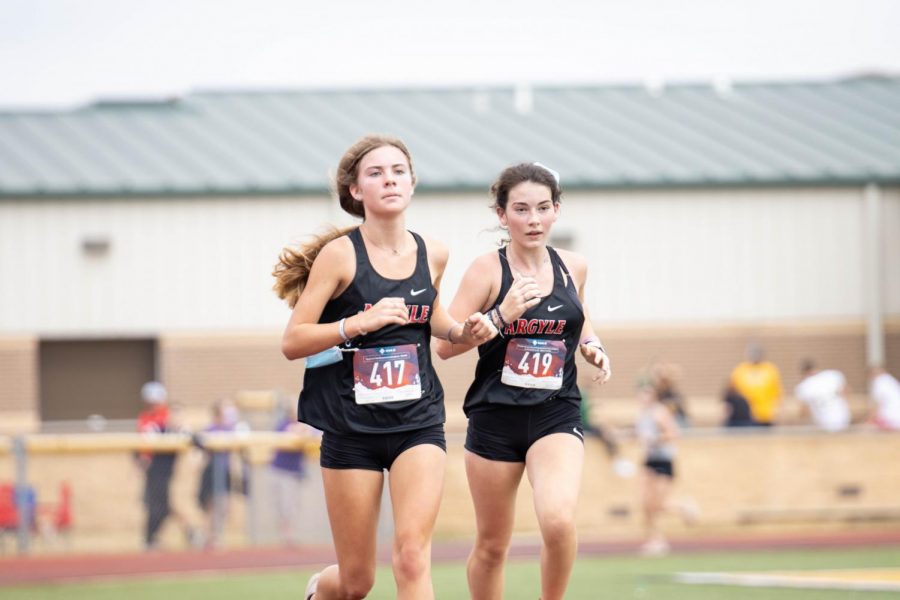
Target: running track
64	568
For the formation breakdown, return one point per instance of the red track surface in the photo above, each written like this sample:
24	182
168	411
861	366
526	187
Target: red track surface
81	567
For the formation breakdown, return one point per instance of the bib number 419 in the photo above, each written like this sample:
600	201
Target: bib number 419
536	363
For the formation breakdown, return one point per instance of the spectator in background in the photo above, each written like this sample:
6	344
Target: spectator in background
216	478
737	409
822	395
657	430
884	392
621	466
158	467
759	381
664	377
288	469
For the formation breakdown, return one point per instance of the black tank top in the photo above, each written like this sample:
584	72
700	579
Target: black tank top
559	316
328	400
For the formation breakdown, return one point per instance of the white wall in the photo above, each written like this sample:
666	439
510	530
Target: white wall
656	257
695	256
891	234
172	264
730	255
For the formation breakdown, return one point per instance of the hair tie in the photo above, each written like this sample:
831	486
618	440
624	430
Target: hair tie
549	170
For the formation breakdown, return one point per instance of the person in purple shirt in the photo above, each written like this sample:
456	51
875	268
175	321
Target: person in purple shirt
288	469
216	478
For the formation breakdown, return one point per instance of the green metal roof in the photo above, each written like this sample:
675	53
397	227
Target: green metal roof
841	132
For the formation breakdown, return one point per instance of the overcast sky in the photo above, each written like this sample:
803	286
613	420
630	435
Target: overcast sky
58	53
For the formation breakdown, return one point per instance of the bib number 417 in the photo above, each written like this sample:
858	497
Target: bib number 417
386	374
388	368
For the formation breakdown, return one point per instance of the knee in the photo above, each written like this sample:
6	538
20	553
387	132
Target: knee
653	503
411	561
357	585
491	552
558	528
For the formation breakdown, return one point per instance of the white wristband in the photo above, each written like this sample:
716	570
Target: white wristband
341	330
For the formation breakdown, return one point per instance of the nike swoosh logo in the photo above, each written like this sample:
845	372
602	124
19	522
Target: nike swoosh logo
416	292
578	433
552	308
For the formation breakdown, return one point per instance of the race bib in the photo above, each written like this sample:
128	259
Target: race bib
386	374
531	363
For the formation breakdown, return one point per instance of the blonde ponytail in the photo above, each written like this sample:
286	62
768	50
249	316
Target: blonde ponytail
291	272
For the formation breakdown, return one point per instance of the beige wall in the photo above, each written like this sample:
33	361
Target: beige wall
198	369
19	406
18	372
746	482
707	354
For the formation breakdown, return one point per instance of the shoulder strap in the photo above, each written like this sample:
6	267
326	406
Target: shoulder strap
506	276
421	255
557	259
359	246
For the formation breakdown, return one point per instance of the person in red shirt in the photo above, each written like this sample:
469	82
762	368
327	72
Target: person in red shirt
158	466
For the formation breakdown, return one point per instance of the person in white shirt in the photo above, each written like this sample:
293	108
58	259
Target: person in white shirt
884	390
822	393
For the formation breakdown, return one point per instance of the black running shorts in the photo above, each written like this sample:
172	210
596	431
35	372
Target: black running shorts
505	433
374	451
661	467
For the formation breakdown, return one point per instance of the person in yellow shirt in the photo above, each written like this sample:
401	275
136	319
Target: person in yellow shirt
759	381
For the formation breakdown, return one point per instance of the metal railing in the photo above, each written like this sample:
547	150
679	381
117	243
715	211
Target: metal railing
254	448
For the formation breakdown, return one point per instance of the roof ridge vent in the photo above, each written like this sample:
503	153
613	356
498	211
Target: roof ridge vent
723	86
523	99
655	86
134	103
481	101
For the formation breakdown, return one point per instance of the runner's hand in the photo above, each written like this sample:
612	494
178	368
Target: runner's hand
476	329
594	355
387	311
522	295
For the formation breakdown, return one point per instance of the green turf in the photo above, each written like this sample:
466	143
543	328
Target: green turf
594	578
